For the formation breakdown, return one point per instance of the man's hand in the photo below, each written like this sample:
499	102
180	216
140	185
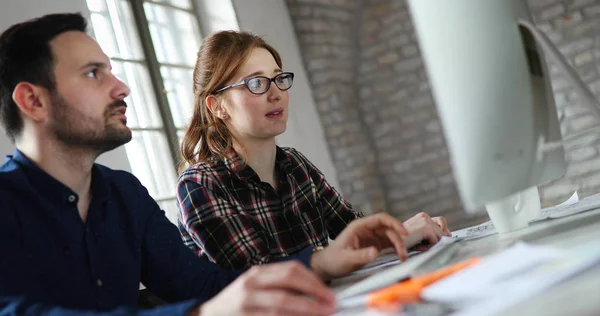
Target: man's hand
273	289
424	228
358	244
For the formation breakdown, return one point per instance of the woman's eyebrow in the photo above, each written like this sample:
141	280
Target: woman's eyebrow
260	72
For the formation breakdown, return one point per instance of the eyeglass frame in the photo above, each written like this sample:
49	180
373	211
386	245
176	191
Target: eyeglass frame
245	83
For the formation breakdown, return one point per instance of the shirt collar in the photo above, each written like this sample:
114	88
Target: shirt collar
54	190
283	160
236	164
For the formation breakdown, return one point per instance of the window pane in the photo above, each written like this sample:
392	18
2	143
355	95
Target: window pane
114	28
184	4
170	208
175	34
142	110
151	162
178	84
96	5
104	34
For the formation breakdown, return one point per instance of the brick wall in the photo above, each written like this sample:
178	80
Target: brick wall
380	121
327	35
574	26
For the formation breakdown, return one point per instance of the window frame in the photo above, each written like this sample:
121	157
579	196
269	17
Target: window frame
153	64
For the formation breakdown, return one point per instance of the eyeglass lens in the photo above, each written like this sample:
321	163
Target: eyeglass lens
283	81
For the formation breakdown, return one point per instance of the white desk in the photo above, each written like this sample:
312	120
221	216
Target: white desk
578	296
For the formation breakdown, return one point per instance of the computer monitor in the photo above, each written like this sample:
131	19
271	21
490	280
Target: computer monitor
492	89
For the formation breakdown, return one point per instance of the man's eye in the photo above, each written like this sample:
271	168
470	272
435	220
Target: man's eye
92	74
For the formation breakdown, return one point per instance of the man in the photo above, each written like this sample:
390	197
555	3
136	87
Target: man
78	237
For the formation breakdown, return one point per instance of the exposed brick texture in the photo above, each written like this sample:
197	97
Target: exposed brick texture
380	121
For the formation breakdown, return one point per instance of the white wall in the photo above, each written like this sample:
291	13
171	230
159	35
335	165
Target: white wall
271	20
15	11
5	147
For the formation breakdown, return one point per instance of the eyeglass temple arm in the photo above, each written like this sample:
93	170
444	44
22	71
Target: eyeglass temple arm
231	86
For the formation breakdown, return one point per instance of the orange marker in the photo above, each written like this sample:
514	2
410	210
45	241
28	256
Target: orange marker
410	290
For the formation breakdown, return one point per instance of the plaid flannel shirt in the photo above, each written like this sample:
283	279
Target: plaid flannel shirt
229	216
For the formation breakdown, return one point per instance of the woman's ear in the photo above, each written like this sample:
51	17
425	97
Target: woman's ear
214	106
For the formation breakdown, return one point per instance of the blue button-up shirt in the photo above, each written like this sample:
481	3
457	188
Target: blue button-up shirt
52	262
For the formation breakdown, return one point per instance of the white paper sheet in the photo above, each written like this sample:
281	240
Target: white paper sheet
481	230
487	228
591	202
550	211
510	277
481	281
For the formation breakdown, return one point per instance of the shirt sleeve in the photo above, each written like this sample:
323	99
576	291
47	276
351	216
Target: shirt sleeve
171	270
13	306
225	235
337	212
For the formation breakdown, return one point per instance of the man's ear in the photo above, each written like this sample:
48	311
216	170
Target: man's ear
32	100
214	106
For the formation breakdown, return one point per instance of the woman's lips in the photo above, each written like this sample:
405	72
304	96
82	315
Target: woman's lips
277	113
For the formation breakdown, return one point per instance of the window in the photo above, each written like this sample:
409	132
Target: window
152	45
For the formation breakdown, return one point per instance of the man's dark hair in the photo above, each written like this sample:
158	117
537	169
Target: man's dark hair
25	55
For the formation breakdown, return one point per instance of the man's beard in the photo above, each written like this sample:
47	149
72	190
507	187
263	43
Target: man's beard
74	129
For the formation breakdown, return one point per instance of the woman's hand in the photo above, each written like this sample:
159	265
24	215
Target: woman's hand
423	228
358	244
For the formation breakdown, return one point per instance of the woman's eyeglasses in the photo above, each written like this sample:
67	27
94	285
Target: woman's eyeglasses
261	84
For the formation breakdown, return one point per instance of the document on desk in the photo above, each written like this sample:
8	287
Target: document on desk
487	228
481	230
589	203
550	212
507	278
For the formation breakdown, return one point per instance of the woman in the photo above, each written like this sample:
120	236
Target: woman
243	200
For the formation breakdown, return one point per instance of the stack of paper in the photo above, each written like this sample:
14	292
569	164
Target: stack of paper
504	279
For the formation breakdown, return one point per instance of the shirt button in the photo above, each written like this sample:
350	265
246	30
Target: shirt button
71	198
99	282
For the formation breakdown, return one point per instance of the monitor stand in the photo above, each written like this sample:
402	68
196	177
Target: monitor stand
516	211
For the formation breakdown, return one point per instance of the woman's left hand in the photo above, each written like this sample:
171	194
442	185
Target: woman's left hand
422	228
